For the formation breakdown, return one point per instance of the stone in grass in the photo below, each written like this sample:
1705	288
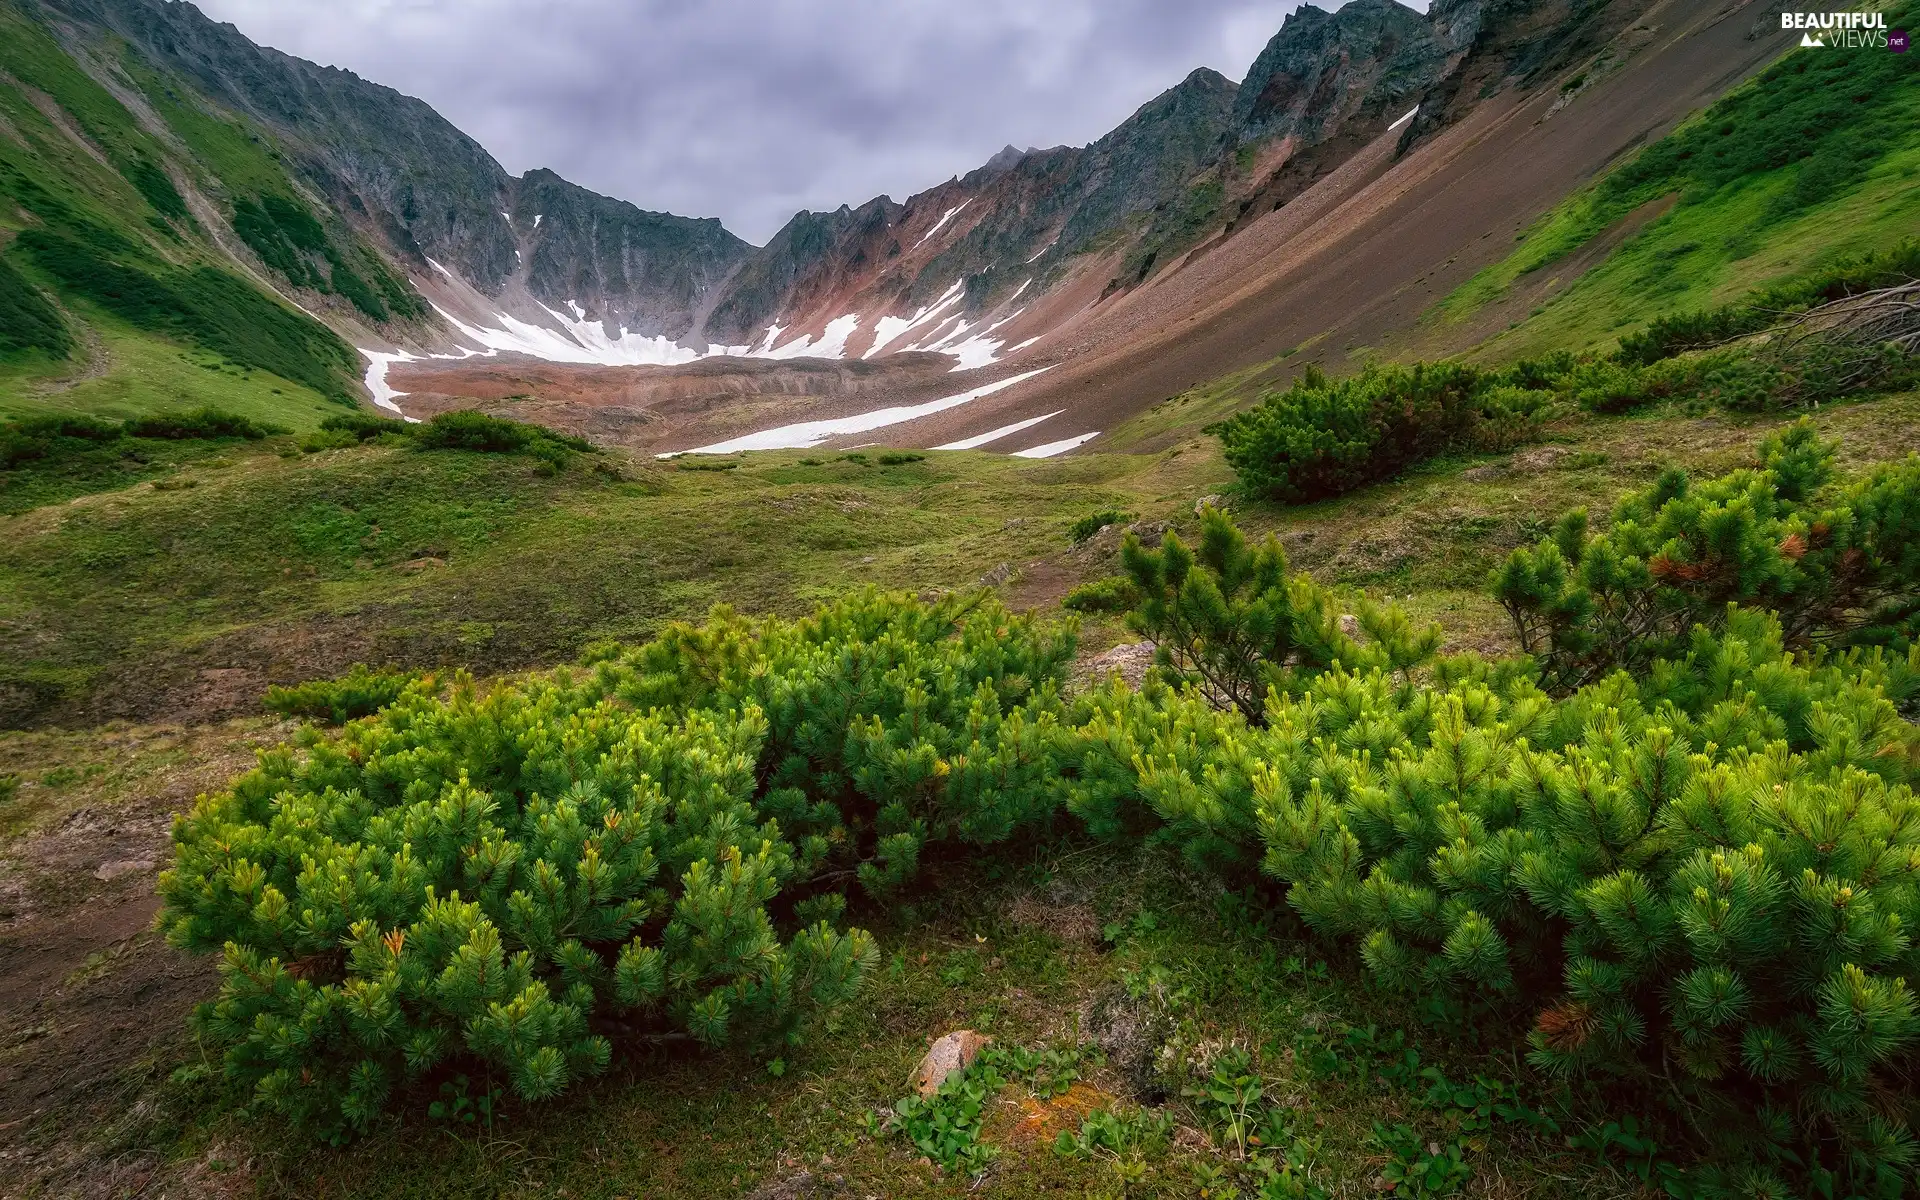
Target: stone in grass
952	1052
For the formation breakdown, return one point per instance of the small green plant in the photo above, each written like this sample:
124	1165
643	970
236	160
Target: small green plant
1047	1072
1093	523
1416	1169
361	692
946	1125
900	459
1127	1132
1229	1099
460	1104
1113	594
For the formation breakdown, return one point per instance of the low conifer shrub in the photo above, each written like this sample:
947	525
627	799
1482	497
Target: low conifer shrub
361	692
1322	438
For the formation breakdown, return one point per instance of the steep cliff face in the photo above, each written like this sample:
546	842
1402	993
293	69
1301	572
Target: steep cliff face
1001	228
647	271
1370	59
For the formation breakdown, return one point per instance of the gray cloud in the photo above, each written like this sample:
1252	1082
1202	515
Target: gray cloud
751	109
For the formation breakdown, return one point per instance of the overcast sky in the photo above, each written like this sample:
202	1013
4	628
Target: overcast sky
751	109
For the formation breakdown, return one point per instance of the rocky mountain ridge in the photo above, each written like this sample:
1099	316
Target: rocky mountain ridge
1023	242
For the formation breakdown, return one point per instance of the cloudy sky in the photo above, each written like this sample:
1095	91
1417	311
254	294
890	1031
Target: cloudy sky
751	109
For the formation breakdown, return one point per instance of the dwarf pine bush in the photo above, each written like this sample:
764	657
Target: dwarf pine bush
1227	619
361	692
1322	438
494	876
1712	867
893	725
1838	563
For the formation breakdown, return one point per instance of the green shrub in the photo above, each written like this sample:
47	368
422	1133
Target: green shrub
1698	875
1607	386
472	877
1321	438
466	429
363	426
1839	564
28	321
1093	523
200	424
361	692
1111	595
52	437
894	727
900	460
468	880
1226	619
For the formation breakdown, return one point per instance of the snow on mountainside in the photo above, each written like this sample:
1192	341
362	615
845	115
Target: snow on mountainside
1036	258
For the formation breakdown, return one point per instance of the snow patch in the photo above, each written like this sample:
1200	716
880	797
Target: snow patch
584	342
994	435
1060	447
942	222
449	274
832	343
383	393
889	328
1404	120
1044	249
805	435
536	220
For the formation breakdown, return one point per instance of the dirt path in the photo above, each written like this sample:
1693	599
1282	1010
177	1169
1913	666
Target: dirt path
93	1002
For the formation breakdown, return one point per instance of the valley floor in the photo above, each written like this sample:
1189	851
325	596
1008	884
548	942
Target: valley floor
247	566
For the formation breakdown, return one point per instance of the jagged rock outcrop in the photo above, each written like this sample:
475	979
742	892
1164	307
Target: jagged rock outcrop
648	271
1368	59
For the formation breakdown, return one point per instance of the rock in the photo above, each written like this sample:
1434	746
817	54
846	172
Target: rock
952	1052
1538	458
1214	501
1350	625
108	871
997	576
1150	533
1129	660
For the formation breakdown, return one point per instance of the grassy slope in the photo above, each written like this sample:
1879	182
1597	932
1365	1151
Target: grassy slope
69	157
131	372
433	557
239	556
1724	236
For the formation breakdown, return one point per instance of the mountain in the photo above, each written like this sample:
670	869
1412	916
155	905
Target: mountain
214	169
